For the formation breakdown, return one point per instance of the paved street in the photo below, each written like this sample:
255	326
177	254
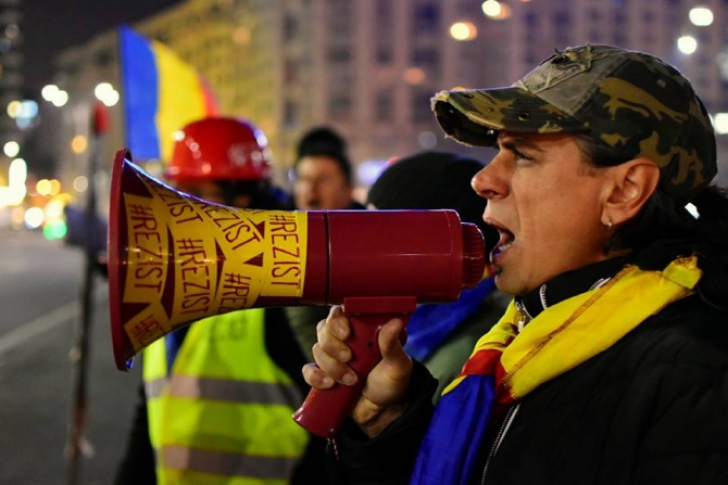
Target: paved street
39	293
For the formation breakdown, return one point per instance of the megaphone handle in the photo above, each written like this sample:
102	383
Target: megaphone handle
324	411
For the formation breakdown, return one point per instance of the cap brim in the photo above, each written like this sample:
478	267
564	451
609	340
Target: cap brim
474	117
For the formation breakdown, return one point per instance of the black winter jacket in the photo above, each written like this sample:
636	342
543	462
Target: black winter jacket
651	409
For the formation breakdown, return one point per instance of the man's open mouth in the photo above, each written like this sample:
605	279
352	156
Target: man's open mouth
507	239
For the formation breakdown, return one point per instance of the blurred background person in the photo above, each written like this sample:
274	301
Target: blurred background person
323	173
442	336
219	394
323	181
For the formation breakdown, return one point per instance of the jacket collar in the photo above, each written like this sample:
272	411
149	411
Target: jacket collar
570	284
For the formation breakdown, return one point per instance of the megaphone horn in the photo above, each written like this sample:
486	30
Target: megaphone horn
174	259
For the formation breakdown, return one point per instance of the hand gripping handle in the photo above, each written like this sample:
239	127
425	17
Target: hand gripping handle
324	410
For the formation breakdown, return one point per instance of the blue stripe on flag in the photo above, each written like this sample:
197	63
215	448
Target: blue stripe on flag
141	88
450	449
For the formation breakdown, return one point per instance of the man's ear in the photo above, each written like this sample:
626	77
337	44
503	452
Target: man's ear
633	183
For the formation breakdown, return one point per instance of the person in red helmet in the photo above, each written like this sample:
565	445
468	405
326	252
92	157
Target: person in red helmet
227	161
218	395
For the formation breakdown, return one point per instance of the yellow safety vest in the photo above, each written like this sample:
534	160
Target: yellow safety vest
224	414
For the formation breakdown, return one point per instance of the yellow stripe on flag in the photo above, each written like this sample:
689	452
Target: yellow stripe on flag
181	98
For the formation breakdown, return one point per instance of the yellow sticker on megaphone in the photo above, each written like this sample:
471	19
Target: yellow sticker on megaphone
189	259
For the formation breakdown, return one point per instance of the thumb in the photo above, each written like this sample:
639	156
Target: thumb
391	337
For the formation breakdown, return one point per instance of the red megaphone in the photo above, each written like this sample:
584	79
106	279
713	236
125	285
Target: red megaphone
174	259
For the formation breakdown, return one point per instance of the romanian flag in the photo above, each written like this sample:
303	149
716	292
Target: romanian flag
161	95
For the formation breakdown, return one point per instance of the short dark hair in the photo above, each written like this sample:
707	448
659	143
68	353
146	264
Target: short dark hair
318	139
324	142
661	217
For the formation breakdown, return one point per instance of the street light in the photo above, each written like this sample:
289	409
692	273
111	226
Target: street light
16	190
49	91
11	149
496	10
720	123
17	173
80	184
491	8
414	75
60	98
55	187
463	31
106	93
53	94
14	109
43	187
33	218
701	16
687	44
79	143
23	112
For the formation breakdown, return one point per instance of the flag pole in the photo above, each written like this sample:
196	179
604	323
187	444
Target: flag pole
80	354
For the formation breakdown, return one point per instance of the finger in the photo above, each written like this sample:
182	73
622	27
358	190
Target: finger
341	373
315	377
335	348
331	344
320	329
338	323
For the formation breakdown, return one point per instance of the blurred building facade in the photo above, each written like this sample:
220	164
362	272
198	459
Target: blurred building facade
11	57
368	68
11	73
651	26
65	134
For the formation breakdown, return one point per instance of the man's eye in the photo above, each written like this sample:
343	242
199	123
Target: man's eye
521	156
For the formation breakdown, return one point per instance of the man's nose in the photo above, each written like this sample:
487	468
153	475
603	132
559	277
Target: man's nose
490	182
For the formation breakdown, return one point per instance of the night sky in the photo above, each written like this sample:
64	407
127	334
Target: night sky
50	26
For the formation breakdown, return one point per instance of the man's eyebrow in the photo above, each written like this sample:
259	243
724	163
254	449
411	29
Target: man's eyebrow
517	142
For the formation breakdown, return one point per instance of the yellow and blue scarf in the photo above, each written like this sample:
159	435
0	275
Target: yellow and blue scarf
506	365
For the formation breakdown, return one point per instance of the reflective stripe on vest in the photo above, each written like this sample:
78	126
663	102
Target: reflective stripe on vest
154	372
223	390
230	464
225	414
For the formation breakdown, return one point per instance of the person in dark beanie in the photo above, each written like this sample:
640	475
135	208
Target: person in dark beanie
323	172
442	336
433	180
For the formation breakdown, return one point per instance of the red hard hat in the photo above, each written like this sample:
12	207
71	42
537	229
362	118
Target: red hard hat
220	149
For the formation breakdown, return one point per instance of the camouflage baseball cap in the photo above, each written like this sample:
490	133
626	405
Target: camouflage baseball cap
630	100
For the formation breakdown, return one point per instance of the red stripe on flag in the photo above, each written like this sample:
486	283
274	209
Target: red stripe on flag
483	362
211	108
